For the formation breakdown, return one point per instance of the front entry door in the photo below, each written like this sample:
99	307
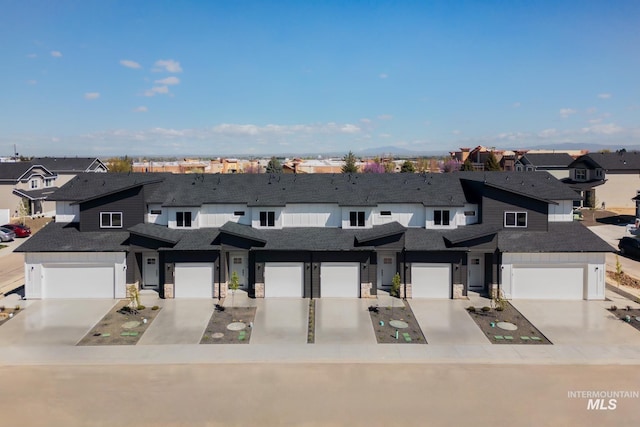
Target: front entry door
476	271
238	264
386	269
150	271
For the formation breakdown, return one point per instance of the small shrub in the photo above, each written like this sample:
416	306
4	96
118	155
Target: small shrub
486	308
628	308
155	307
140	307
613	308
1	308
395	285
17	308
499	308
471	309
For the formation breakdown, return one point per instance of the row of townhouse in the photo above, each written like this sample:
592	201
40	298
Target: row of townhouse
317	235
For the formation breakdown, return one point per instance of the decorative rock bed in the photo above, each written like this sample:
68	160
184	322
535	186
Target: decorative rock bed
507	326
229	325
121	326
396	325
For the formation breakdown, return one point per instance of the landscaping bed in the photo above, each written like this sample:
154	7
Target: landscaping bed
311	323
385	327
229	325
489	320
121	326
625	279
627	314
8	313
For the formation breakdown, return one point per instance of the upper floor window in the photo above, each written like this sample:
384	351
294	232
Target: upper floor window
519	168
599	173
238	213
183	219
34	184
48	182
155	211
356	219
515	219
385	213
267	219
581	174
441	217
110	219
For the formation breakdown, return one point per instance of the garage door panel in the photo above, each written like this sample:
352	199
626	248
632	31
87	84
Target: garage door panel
193	280
548	283
431	281
340	279
283	280
78	281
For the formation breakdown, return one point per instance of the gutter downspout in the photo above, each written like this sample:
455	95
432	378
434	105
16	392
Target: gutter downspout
404	269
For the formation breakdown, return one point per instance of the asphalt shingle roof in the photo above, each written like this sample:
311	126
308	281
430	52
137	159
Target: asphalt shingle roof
555	160
40	194
158	232
91	185
540	185
379	232
561	237
63	237
613	161
65	164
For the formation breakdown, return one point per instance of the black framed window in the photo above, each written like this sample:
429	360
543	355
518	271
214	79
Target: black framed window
183	219
357	218
515	219
267	219
110	219
441	217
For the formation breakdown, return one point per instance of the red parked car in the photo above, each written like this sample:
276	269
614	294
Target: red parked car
20	230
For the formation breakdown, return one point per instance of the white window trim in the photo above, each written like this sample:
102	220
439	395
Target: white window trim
111	214
266	219
582	178
515	225
34	184
451	218
191	220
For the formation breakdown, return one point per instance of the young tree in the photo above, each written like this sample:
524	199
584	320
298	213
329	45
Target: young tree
234	284
407	167
467	165
349	163
373	167
274	166
491	164
451	165
120	164
253	168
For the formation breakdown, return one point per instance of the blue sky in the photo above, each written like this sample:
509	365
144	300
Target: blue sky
171	78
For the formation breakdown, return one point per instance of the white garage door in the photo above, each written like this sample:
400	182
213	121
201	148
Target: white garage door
340	279
193	280
283	279
78	281
431	281
548	282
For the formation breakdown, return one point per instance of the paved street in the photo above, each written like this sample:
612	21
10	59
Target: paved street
314	395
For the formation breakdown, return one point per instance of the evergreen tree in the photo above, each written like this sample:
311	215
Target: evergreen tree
349	163
407	167
491	164
274	166
467	165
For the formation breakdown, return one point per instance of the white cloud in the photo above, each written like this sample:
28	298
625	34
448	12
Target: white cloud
365	120
456	132
604	95
168	65
156	90
548	133
141	109
32	82
384	135
566	112
385	117
91	95
55	139
595	121
168	81
32	55
516	105
383	75
56	54
603	129
129	64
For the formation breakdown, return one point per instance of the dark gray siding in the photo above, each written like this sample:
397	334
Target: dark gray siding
129	202
496	202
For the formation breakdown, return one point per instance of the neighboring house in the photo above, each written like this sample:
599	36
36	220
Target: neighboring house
316	235
24	188
479	155
68	167
616	176
557	164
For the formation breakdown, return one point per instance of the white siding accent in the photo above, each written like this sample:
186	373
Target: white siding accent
34	269
562	212
161	219
407	214
311	215
593	263
456	217
218	215
66	212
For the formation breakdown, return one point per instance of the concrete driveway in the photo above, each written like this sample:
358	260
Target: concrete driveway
280	321
180	321
53	322
343	321
579	322
446	322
